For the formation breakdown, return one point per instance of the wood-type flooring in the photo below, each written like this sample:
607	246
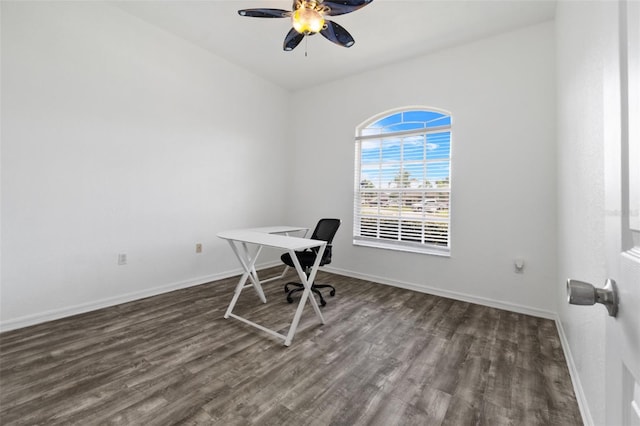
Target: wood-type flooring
386	356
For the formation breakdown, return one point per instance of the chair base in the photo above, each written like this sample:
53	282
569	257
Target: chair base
314	288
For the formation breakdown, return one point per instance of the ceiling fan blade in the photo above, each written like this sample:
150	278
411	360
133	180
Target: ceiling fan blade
341	7
264	13
292	39
336	34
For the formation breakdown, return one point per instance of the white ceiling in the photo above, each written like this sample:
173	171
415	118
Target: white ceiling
385	31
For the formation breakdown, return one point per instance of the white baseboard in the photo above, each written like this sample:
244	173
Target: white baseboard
575	378
54	314
68	311
507	306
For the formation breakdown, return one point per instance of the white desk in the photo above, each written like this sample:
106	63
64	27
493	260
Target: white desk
240	239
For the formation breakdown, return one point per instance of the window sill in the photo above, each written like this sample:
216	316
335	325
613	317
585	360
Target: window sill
406	247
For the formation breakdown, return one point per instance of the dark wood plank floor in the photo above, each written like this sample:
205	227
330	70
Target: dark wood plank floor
386	356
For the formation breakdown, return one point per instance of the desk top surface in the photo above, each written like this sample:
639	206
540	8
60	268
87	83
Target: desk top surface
280	229
259	236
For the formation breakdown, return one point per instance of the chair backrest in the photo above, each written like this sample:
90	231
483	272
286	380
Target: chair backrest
325	230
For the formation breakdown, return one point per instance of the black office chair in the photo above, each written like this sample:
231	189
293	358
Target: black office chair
325	230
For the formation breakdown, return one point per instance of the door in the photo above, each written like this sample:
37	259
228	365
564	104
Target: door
622	209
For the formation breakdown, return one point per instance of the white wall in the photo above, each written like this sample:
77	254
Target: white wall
581	48
120	138
500	92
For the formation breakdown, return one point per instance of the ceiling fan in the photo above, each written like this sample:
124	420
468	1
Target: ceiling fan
307	17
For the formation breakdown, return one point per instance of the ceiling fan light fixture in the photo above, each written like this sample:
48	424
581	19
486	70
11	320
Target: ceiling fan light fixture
307	20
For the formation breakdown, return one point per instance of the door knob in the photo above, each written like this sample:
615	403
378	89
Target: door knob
581	293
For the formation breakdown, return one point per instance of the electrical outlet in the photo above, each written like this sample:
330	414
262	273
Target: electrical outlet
518	265
122	258
198	248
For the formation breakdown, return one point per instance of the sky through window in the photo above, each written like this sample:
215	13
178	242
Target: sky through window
409	153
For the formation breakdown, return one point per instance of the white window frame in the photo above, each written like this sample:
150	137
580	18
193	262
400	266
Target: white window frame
371	224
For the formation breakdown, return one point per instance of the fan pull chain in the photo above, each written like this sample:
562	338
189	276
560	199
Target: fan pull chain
306	38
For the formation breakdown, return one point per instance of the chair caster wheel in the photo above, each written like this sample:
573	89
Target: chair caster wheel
286	289
323	303
332	293
289	299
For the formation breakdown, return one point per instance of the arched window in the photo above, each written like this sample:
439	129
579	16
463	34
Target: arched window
403	181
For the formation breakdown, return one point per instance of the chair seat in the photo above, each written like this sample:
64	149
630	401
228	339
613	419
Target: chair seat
306	258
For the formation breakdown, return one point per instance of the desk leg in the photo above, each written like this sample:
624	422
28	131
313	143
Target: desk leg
308	282
305	294
236	294
248	264
257	285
